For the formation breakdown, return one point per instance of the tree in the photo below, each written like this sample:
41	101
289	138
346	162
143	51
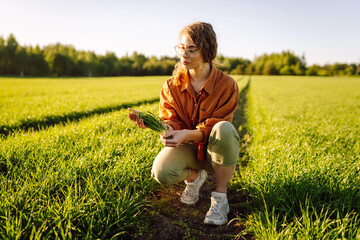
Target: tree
259	68
37	64
138	62
10	55
162	66
64	60
237	71
91	61
324	71
285	63
2	55
21	60
313	70
338	69
350	70
249	70
124	67
299	68
269	68
102	69
357	72
61	65
286	70
168	65
107	63
152	66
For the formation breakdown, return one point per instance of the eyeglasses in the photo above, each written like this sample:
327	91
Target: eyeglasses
180	50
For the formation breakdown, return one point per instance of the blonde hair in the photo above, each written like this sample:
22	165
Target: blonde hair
204	37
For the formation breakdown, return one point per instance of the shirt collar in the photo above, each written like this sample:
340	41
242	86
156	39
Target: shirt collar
210	81
185	81
208	85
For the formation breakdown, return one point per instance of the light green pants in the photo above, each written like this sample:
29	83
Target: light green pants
173	164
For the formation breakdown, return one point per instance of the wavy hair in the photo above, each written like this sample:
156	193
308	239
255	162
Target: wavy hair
204	37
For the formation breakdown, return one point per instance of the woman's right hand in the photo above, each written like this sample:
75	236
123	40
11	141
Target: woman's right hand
134	116
173	138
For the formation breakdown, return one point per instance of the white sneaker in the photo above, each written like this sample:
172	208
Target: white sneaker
219	209
191	193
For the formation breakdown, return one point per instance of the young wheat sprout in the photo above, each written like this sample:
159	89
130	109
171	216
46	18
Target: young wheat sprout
154	123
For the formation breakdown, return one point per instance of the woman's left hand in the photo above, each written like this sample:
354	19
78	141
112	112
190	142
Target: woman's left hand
173	138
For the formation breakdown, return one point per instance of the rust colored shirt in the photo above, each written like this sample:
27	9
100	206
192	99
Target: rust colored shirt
183	108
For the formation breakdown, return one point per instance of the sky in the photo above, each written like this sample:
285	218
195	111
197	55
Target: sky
324	31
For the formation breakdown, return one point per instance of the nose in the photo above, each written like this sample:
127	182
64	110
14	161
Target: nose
184	54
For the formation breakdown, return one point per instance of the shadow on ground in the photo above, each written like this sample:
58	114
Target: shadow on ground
47	121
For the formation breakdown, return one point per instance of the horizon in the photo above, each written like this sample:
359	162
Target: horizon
324	31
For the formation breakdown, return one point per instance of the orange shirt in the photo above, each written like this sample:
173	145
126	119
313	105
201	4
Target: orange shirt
183	108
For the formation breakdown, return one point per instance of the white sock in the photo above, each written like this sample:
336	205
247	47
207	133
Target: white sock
219	194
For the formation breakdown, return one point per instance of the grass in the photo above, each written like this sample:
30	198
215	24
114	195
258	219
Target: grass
76	181
72	165
304	157
40	102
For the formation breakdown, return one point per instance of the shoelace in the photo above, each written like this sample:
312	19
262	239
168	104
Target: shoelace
189	192
215	206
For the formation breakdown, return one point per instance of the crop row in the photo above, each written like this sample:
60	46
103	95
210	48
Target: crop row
91	177
303	158
40	102
81	180
77	179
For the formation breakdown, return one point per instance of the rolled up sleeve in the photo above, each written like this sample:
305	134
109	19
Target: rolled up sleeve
168	109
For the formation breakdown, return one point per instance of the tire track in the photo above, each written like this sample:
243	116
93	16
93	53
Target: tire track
48	121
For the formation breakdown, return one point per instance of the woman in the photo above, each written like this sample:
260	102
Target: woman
197	104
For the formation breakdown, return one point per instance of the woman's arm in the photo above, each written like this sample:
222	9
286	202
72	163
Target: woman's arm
174	138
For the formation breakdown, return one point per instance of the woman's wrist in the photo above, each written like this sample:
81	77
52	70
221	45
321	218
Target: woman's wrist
194	135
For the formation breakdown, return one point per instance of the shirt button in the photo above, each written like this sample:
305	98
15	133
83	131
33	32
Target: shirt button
195	104
192	119
199	92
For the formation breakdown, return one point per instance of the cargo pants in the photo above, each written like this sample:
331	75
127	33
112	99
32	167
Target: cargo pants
173	164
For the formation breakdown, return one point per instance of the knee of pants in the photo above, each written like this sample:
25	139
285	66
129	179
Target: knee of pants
223	144
164	175
224	132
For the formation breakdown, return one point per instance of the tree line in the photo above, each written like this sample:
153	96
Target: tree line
60	60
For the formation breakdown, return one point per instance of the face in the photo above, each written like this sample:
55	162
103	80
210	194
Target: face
190	62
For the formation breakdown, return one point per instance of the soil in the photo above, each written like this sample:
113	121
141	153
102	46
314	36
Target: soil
168	218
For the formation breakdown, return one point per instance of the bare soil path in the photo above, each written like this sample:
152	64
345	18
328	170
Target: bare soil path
168	218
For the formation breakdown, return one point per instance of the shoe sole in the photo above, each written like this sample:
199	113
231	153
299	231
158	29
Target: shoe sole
216	222
189	203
